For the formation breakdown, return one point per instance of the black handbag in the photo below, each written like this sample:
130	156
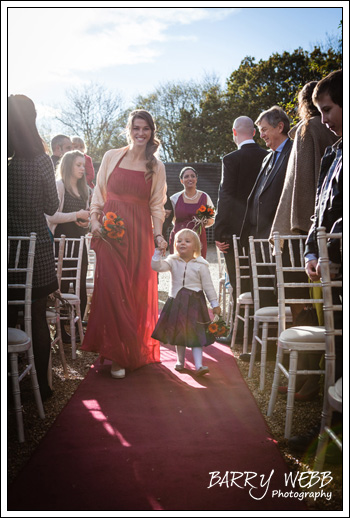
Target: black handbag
307	317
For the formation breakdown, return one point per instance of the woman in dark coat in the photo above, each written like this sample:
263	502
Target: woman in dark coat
32	193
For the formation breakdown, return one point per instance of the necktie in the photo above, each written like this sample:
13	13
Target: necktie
271	163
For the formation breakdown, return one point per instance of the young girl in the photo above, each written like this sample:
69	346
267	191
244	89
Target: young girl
184	317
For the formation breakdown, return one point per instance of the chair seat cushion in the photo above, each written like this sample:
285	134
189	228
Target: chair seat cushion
16	339
335	395
272	311
246	298
303	334
71	297
51	315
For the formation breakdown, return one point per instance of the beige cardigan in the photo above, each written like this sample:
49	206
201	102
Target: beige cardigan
158	189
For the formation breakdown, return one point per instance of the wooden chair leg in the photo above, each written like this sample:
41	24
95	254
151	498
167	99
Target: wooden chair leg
263	355
35	383
17	396
253	351
293	363
275	382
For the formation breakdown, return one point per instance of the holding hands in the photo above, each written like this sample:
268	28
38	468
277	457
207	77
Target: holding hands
161	243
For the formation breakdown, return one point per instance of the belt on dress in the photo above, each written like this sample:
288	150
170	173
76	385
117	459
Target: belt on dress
127	198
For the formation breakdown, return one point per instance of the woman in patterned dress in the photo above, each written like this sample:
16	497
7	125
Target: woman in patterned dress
131	183
72	217
31	193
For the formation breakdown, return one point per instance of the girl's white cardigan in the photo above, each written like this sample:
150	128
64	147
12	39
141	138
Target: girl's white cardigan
59	216
194	275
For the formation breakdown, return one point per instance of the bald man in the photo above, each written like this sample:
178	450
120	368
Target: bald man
240	169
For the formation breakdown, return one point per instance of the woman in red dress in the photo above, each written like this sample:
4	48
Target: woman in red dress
131	183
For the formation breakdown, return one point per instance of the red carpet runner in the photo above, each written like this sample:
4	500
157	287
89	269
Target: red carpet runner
158	440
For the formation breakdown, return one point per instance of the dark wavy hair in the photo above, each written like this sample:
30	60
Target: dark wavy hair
153	143
23	139
306	108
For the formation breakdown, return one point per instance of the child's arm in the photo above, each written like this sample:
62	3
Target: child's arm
209	290
158	263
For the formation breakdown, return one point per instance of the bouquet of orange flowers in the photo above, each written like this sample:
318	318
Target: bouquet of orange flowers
203	214
218	327
113	227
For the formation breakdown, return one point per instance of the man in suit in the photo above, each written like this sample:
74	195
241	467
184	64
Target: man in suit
239	171
263	200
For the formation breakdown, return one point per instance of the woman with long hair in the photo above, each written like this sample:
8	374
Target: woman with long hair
310	139
31	193
72	216
131	185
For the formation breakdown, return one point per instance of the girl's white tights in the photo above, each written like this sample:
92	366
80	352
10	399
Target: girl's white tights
197	353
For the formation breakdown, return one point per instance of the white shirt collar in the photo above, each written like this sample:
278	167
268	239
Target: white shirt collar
249	141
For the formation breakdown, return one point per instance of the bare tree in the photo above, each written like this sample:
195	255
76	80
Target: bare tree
166	105
93	113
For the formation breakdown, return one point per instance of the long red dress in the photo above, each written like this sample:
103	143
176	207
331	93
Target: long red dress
124	306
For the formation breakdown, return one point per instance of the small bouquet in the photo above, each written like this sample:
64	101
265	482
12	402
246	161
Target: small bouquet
203	214
112	227
218	327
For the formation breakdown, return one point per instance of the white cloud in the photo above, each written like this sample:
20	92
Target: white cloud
55	45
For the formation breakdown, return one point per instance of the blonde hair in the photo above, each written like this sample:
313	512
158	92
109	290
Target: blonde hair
79	141
65	169
195	238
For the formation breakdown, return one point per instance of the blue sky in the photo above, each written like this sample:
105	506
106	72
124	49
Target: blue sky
131	50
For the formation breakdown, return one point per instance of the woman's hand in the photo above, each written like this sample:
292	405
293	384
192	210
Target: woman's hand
83	215
161	244
95	228
217	310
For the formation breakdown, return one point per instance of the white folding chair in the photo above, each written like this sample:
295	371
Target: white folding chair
21	341
225	289
53	314
70	271
296	339
244	300
332	397
90	277
265	318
